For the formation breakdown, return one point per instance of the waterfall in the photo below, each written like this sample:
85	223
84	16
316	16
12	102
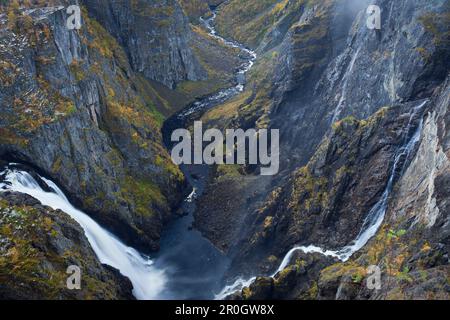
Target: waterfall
375	217
372	221
238	285
148	281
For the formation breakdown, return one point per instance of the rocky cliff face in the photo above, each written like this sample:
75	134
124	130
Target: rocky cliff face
71	107
155	35
38	244
325	202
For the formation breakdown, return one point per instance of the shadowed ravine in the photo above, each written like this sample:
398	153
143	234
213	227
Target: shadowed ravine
195	268
188	266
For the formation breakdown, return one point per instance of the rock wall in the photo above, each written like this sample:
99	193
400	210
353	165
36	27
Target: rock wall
342	96
155	35
73	108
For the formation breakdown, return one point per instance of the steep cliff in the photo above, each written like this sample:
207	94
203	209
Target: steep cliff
411	247
364	145
155	35
72	107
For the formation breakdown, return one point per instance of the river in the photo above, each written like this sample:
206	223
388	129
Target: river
194	266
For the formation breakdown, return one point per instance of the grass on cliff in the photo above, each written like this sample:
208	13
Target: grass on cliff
247	21
145	195
195	9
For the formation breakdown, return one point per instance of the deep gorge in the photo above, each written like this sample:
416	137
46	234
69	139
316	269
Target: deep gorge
86	120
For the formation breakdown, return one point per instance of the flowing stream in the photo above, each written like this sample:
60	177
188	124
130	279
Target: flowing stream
338	110
372	221
225	94
195	267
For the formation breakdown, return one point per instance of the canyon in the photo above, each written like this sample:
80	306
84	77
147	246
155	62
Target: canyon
86	176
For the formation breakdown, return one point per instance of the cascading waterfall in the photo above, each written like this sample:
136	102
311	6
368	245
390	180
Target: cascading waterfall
148	281
371	223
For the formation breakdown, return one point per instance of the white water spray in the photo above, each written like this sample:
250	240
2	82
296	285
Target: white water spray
148	282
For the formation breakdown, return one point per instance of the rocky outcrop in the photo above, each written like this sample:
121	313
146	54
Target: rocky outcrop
38	244
296	282
195	9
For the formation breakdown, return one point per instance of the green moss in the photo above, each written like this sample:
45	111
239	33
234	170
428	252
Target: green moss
168	166
438	24
282	275
144	194
22	261
246	293
268	222
313	291
313	191
248	21
162	12
227	171
101	40
336	271
194	9
30	266
8	72
155	103
77	70
347	121
9	137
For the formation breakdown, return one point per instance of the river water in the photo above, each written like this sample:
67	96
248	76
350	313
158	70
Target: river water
195	268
